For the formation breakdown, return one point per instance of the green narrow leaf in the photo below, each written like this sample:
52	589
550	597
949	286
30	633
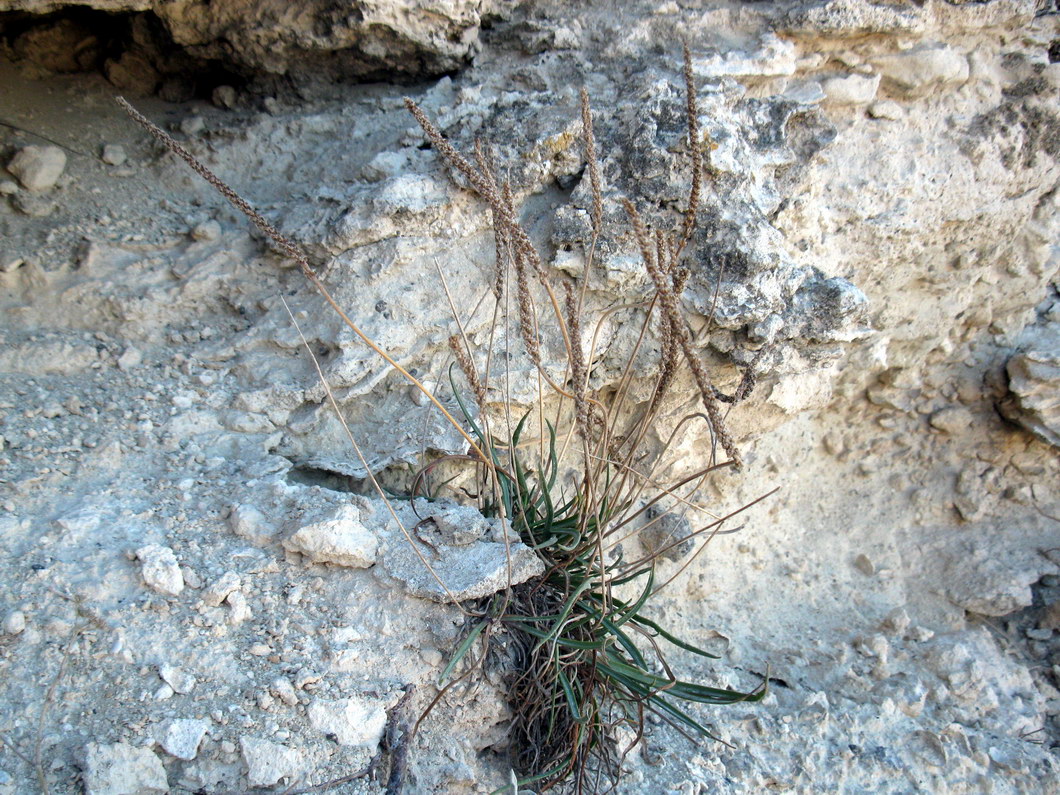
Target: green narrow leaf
462	650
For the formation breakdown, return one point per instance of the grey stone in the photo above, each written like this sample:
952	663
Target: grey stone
923	69
224	97
337	535
113	154
14	623
268	762
177	678
952	420
409	37
355	721
471	571
160	569
217	591
248	523
181	737
207	231
851	89
1034	381
886	109
38	168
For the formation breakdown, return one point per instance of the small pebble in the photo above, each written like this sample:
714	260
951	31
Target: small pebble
239	611
160	569
192	125
224	97
130	360
114	154
864	565
206	231
220	588
886	109
14	622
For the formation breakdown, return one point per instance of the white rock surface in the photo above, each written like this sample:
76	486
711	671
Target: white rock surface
1034	379
14	623
337	536
38	168
218	590
267	762
923	69
851	89
458	573
122	769
248	522
177	678
113	154
355	721
181	737
160	570
411	36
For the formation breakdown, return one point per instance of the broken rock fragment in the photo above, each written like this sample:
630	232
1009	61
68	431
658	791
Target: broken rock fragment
181	737
338	536
38	168
1034	381
268	762
160	569
352	721
468	572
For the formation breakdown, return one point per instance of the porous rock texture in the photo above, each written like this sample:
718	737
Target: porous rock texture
354	37
879	206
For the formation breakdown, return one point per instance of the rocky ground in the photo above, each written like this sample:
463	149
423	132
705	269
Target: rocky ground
198	597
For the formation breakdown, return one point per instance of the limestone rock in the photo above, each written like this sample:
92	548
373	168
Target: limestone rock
352	721
38	168
1034	380
14	623
268	762
181	737
338	536
122	769
113	154
923	69
358	38
160	569
852	89
217	591
952	420
470	571
456	524
175	676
